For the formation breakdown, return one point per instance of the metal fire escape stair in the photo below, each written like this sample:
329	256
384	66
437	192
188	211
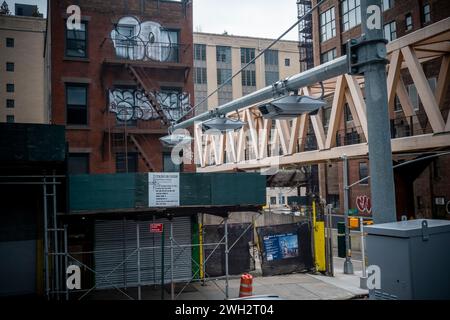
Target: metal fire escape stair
142	153
139	77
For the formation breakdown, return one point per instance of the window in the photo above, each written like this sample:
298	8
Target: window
273	200
126	161
200	75
223	54
271	58
408	22
200	52
413	97
363	172
387	4
397	105
171	51
426	13
390	31
10	87
76	101
76	42
249	78
351	14
287	62
78	163
282	200
272	77
327	25
10	42
347	113
223	75
247	55
10	66
10	103
10	119
169	165
328	56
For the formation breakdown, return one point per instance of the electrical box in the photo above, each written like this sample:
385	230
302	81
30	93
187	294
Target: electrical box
413	257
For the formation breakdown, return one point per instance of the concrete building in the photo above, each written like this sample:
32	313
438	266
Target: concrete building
218	56
22	70
119	80
422	190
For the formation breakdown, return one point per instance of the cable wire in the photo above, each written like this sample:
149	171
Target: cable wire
300	19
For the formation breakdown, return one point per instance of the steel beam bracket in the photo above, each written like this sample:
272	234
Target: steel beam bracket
279	88
362	53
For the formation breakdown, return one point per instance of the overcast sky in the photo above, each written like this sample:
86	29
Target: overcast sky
256	18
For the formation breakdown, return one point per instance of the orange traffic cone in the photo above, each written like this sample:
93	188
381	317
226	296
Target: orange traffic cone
246	289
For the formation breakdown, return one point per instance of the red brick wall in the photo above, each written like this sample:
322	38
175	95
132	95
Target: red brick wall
101	16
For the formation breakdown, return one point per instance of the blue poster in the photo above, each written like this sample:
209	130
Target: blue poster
281	246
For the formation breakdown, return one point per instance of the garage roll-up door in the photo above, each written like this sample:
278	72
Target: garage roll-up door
115	241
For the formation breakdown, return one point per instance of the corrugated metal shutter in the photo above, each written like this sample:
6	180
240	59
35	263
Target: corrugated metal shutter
116	240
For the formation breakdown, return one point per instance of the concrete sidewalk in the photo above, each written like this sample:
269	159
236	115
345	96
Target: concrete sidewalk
288	287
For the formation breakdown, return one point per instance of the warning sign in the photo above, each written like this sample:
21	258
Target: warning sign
156	227
164	189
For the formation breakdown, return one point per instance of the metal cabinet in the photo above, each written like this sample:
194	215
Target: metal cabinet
413	257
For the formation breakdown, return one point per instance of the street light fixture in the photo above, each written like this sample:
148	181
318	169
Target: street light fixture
176	139
222	124
291	106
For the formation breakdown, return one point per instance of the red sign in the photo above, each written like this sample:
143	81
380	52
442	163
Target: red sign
156	227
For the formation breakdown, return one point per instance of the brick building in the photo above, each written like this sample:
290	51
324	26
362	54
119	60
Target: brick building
119	79
422	190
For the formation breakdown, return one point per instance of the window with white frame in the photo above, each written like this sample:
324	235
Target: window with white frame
426	13
390	31
387	4
351	14
328	56
327	25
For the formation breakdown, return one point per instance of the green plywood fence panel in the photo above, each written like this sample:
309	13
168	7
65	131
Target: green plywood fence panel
106	191
141	190
238	189
126	191
195	189
32	142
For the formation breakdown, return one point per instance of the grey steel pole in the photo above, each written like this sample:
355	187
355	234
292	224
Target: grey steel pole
66	260
46	267
226	258
55	234
330	240
348	266
138	245
172	288
379	140
363	279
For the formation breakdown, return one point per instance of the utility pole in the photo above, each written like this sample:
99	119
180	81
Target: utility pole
348	265
368	57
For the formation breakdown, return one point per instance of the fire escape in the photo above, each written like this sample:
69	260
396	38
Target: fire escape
134	134
305	36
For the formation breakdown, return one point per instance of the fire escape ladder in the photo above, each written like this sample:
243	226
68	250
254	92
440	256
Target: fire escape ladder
139	77
142	153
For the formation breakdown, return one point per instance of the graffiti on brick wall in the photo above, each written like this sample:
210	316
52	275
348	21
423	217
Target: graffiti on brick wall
147	40
130	104
363	204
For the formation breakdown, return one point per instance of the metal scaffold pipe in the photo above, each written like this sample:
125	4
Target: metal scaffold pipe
312	76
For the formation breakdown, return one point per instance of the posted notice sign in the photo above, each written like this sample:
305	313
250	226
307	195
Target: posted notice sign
156	228
164	189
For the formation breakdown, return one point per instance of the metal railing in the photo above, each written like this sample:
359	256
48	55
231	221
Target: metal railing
139	50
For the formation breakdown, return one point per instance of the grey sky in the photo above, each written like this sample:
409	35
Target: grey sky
257	18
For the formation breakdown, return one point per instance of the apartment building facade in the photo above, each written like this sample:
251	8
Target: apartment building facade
218	56
119	81
422	190
22	69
